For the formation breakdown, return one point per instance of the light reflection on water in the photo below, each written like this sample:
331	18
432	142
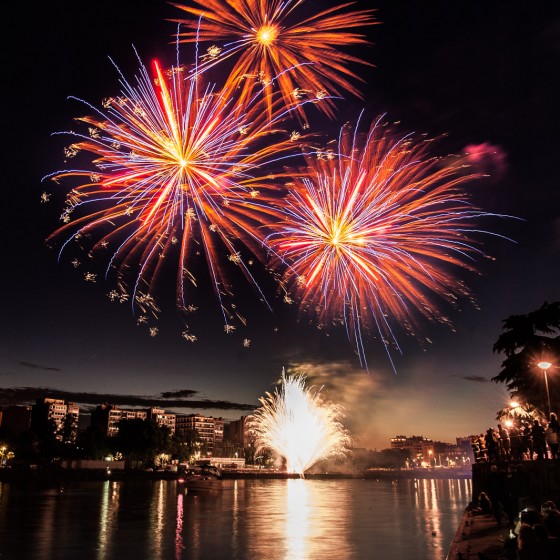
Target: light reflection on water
291	519
108	511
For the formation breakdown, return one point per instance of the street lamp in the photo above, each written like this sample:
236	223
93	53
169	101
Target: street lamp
544	366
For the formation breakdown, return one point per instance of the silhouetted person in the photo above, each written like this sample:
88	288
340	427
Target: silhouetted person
504	442
539	441
554	422
483	505
551	519
551	438
529	546
475	445
526	440
492	445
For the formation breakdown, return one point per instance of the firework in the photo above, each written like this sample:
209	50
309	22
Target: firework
372	230
174	178
269	43
300	425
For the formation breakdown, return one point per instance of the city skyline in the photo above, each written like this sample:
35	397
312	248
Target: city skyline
482	86
107	416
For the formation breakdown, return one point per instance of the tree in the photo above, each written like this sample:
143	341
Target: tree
184	444
68	430
93	443
527	340
141	440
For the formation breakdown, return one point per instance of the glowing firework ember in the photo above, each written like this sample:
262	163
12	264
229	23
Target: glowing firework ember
370	233
174	164
269	43
298	424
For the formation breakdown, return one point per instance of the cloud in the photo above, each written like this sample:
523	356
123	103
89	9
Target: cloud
182	393
477	378
38	366
28	395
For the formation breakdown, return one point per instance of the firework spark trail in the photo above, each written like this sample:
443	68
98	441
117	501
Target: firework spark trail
370	233
300	425
268	41
176	164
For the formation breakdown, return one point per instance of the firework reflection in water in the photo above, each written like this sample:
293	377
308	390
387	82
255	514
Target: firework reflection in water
300	425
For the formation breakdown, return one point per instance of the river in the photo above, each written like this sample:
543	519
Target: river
292	519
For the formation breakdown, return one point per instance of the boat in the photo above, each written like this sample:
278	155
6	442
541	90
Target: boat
202	478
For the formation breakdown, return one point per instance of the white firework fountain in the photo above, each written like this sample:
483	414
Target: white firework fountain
300	425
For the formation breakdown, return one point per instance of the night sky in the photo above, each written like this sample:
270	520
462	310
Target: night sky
478	73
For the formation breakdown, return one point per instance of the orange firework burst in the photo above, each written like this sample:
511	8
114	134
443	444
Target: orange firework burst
174	175
271	44
371	231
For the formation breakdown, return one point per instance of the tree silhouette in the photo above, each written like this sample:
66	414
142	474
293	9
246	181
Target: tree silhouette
527	340
184	444
141	440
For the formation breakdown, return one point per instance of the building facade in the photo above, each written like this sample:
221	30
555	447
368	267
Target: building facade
209	430
426	452
162	418
236	432
420	448
56	416
107	417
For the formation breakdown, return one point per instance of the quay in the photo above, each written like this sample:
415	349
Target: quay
478	537
529	483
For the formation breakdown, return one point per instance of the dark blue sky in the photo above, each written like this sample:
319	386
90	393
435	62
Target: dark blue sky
479	72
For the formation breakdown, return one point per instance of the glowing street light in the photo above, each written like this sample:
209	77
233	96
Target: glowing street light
544	366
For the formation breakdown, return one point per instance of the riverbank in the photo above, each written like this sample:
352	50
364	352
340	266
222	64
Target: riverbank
59	474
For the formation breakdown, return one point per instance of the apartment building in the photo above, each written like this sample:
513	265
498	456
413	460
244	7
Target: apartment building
108	416
210	430
419	447
163	418
57	415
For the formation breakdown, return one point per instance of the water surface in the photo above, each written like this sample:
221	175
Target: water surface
249	519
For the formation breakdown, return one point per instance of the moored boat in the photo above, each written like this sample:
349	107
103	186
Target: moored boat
206	477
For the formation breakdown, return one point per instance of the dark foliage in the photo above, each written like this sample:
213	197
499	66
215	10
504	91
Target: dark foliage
526	341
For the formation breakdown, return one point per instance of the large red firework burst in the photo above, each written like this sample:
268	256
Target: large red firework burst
272	45
373	229
177	171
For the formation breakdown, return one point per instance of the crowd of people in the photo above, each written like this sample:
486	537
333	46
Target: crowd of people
534	531
519	440
534	535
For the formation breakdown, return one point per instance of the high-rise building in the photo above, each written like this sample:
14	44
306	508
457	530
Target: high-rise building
163	418
55	416
236	431
210	431
107	417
